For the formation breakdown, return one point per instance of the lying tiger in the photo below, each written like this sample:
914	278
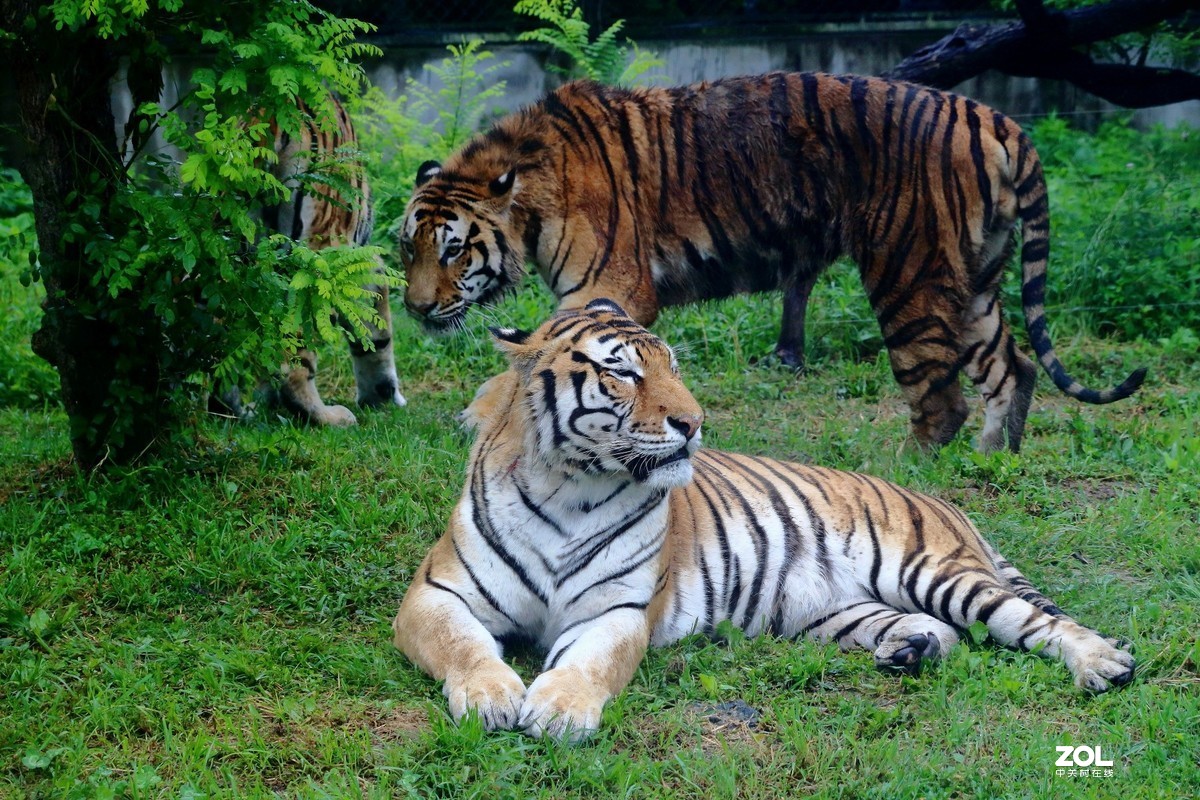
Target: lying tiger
592	523
320	217
655	197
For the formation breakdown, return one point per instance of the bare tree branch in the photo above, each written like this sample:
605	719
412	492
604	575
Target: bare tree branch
1042	45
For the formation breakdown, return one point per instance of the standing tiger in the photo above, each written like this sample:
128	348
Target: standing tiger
656	197
319	216
593	525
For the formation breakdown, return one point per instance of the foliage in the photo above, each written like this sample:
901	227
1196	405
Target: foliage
603	59
179	263
1125	216
426	122
25	380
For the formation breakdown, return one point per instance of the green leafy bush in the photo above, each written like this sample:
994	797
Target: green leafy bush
604	59
180	278
1125	217
397	135
25	380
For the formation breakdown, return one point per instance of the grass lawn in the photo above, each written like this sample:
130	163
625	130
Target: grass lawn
220	628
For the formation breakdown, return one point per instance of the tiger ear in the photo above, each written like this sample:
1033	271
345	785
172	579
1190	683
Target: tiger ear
428	171
503	184
510	341
604	304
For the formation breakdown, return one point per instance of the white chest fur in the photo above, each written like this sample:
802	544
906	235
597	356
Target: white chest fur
555	552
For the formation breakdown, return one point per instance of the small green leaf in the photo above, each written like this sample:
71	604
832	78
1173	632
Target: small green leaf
36	759
39	622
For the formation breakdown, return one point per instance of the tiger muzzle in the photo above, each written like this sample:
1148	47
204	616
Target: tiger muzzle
640	466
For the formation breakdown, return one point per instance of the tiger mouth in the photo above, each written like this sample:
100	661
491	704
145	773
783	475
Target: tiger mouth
641	466
446	324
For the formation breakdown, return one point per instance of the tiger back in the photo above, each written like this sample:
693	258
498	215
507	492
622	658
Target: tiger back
318	215
592	524
661	196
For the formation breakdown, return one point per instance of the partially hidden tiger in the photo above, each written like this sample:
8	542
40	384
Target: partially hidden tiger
593	525
661	196
321	216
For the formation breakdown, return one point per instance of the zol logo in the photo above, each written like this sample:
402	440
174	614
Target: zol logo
1081	756
1082	761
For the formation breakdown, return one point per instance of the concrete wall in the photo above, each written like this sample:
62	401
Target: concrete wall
863	48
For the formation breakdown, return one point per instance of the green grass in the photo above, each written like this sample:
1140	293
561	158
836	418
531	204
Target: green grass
219	627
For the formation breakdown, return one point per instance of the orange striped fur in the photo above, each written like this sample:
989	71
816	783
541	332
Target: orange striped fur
655	197
318	215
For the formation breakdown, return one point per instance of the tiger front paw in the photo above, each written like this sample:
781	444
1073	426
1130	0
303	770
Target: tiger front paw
562	704
335	416
907	654
495	691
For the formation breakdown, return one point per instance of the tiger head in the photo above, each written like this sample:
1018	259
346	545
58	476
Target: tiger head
457	241
603	397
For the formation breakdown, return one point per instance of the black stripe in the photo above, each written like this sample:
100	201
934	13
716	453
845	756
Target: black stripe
837	637
822	620
677	127
601	541
656	549
442	587
598	264
555	107
882	632
529	504
619	606
1034	210
989	608
977	158
718	525
664	180
947	598
482	520
760	539
479	587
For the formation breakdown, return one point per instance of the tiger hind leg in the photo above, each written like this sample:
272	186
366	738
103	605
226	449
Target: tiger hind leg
900	640
1004	375
1019	616
790	348
925	362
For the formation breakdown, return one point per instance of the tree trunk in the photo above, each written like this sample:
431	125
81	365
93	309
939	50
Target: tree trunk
65	116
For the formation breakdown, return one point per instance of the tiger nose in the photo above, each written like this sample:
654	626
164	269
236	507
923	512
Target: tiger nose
687	424
419	309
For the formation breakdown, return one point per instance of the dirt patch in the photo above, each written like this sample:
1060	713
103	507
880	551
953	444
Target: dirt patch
400	724
42	482
1093	492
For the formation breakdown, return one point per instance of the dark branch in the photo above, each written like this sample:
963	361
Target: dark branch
1125	85
1041	45
1035	16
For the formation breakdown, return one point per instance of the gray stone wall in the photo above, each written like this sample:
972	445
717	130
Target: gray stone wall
862	49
